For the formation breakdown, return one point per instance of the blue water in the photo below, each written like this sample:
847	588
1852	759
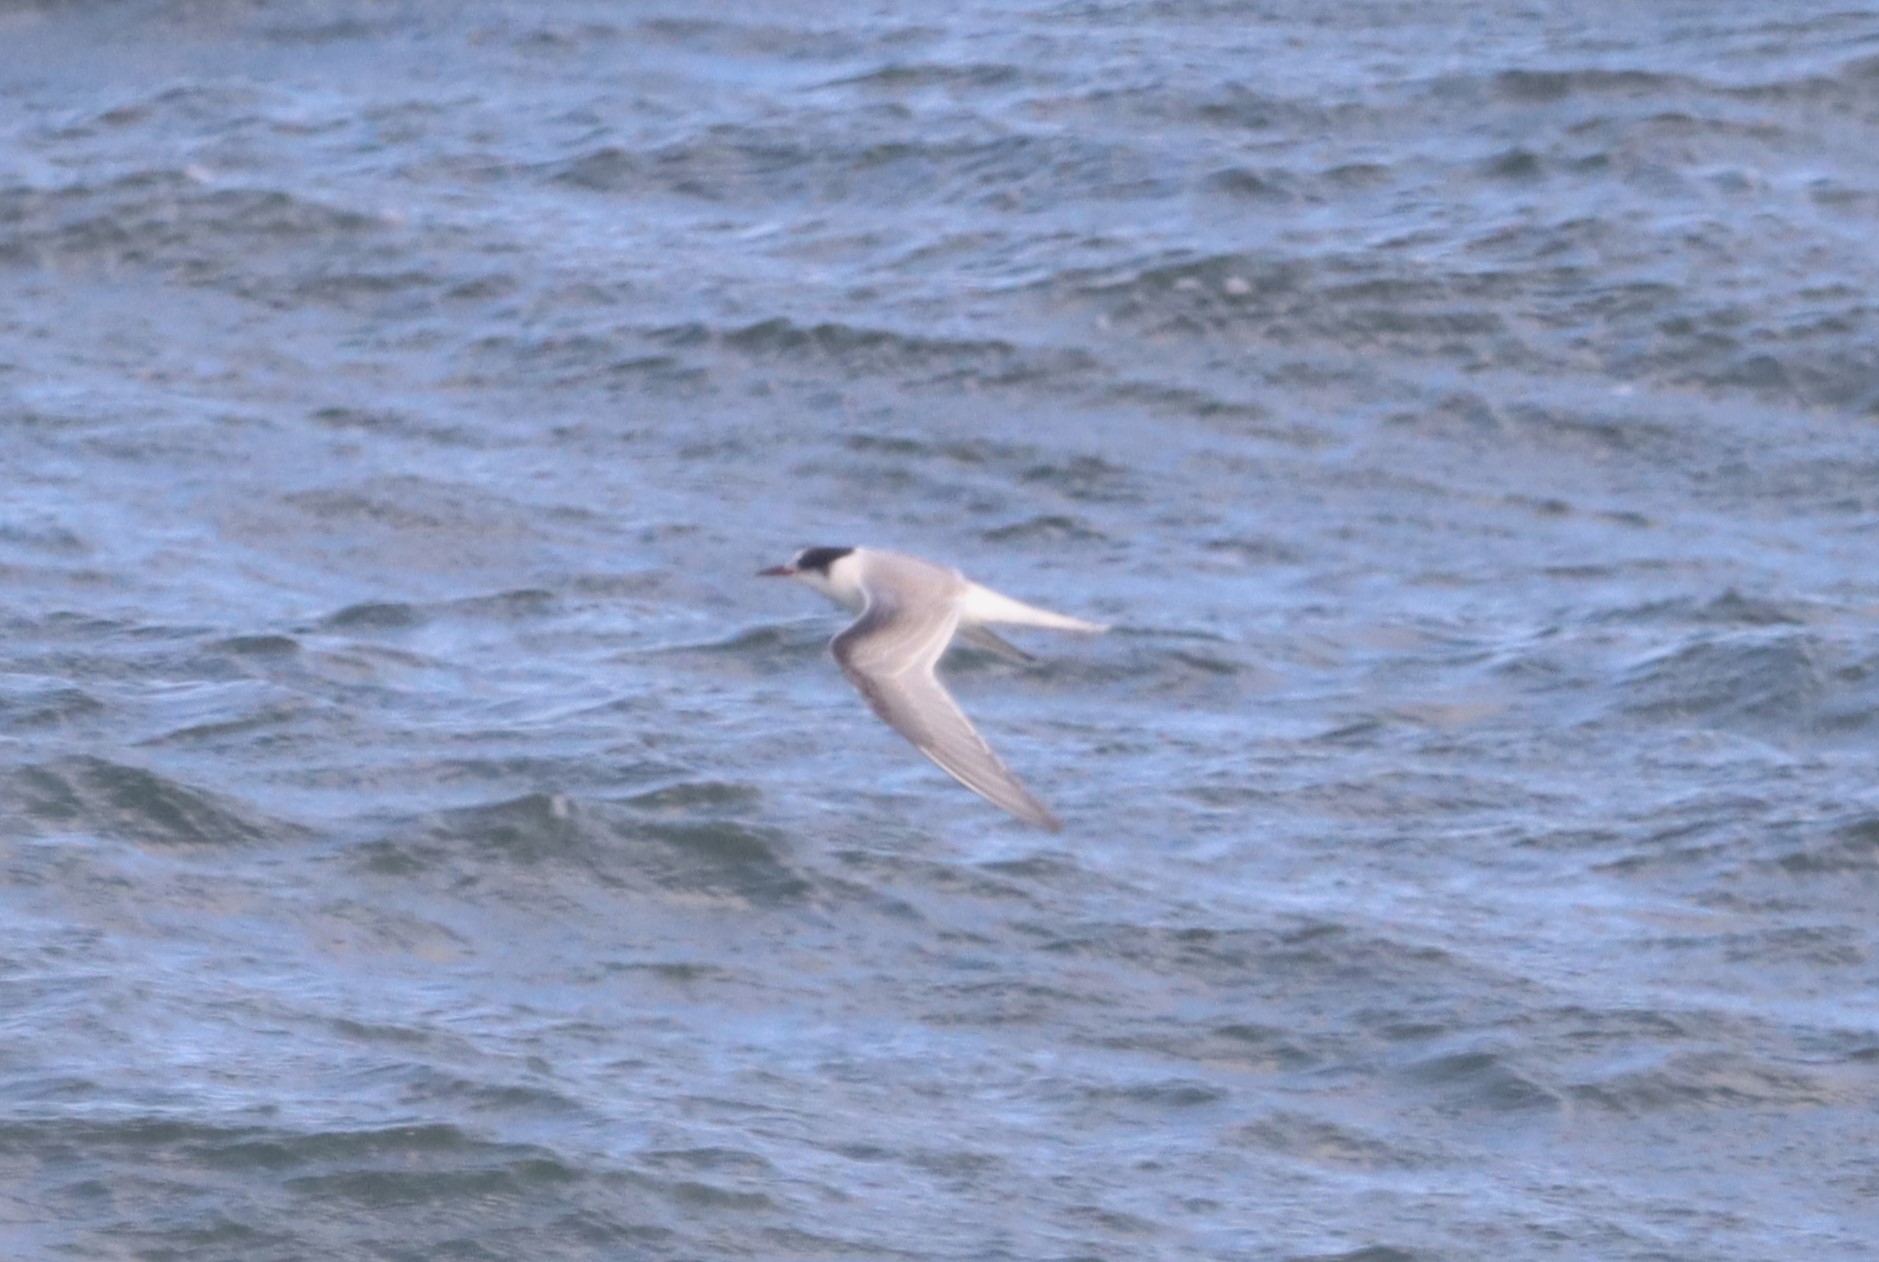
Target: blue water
421	837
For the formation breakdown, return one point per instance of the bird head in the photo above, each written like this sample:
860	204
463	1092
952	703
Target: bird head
815	568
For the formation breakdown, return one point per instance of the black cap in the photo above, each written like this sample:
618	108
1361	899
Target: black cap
820	558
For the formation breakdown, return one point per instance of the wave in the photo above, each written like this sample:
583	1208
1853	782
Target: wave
1705	1080
825	160
872	350
677	843
1767	679
94	796
164	217
1849	847
35	702
1317	1141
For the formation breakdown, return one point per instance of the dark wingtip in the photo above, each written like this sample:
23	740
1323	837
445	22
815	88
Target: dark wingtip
1040	816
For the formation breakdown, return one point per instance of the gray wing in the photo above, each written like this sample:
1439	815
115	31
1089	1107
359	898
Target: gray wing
991	642
888	655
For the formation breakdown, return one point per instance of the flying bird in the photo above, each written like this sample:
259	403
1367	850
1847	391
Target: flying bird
910	611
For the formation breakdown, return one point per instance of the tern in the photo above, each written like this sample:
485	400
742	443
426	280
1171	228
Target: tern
911	610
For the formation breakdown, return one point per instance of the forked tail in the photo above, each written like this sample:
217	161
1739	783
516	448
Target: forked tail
982	604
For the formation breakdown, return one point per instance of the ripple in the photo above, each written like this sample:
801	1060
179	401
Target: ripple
872	351
1371	1253
260	645
694	795
1556	85
1045	528
28	702
1303	1137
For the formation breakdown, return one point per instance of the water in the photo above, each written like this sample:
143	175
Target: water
421	838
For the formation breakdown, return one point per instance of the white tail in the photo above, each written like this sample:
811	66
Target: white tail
982	604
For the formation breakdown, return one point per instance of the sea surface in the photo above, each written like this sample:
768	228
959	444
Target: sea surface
423	839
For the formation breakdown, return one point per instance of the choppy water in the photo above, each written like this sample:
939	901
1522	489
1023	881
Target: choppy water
420	838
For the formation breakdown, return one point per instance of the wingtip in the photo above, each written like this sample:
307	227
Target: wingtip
1037	815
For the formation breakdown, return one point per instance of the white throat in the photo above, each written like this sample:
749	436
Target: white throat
842	583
